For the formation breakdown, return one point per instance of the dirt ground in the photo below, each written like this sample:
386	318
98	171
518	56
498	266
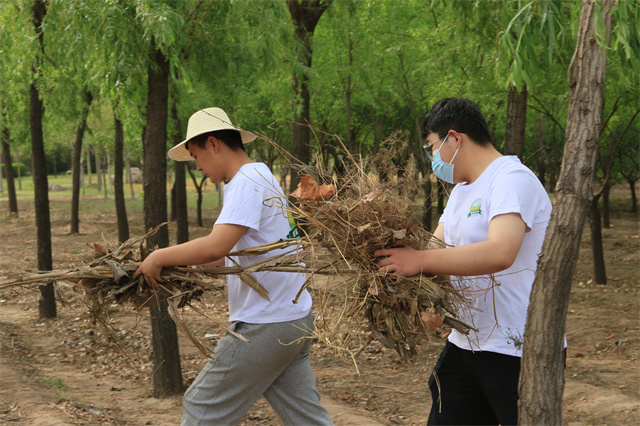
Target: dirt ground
69	371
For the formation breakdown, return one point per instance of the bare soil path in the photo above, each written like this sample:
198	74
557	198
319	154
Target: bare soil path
69	371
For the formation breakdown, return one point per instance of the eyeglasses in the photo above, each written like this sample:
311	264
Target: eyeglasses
427	147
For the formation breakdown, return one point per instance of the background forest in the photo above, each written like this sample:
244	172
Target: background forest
355	70
98	87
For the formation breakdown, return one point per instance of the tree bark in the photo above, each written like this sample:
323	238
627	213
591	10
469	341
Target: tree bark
118	184
542	373
516	122
98	160
6	159
305	15
634	197
597	251
154	175
167	377
606	206
47	303
180	186
89	171
541	156
76	163
199	191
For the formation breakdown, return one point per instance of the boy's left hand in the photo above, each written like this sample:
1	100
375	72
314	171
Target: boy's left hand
404	261
151	270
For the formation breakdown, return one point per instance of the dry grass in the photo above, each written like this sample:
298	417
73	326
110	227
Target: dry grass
373	207
344	222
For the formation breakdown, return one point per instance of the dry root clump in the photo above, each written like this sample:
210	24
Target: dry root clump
371	208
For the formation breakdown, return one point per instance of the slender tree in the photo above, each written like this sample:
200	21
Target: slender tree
167	377
47	303
118	186
516	122
8	168
542	372
305	16
76	163
179	190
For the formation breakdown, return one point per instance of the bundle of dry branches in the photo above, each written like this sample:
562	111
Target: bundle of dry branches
106	278
373	207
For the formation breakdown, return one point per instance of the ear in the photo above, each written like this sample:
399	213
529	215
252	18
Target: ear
215	143
457	136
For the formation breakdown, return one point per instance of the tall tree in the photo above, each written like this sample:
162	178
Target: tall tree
167	377
305	16
76	163
118	187
179	190
516	121
47	304
542	374
8	168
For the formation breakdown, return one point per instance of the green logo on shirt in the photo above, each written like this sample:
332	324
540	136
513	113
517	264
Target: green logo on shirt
294	228
475	209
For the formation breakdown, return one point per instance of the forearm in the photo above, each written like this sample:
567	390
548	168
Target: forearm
194	252
486	257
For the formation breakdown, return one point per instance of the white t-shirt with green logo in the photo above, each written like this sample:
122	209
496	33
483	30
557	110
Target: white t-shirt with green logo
506	186
254	198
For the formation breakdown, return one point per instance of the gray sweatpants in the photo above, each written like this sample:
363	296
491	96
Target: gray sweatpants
270	364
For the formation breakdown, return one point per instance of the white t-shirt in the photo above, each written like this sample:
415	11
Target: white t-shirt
254	198
499	313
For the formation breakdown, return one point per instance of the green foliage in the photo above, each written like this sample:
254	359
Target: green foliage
533	30
625	41
55	382
381	63
22	167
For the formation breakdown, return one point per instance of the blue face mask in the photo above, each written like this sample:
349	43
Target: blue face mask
441	169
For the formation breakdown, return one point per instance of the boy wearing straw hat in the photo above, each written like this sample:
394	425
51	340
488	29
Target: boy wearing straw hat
274	360
495	219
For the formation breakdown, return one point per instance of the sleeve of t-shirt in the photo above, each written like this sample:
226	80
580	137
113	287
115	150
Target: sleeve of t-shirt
242	206
515	192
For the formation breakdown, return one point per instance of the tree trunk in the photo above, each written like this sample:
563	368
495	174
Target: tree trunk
19	169
606	207
348	92
441	192
118	185
6	159
199	191
76	163
516	122
128	174
305	15
597	251
179	186
154	175
98	161
47	303
89	171
541	157
634	197
167	377
542	373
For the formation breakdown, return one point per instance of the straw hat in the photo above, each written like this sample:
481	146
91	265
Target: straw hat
205	121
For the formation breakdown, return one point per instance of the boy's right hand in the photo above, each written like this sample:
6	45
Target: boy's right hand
151	269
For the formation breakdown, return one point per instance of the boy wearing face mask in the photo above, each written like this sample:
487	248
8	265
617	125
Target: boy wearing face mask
495	222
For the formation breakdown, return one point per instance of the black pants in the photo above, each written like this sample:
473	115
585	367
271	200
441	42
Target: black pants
474	388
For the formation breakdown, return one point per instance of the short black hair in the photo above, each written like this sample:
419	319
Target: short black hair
229	137
459	114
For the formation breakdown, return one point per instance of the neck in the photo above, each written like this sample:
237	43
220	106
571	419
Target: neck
475	160
236	161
